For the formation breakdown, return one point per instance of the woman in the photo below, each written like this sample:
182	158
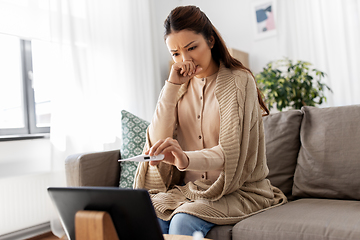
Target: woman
208	124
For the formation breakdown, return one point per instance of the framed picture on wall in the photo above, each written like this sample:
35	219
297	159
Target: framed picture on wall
263	12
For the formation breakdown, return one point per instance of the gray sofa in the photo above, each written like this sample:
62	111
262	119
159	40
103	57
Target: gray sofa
314	158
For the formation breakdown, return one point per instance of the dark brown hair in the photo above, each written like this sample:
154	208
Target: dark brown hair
193	19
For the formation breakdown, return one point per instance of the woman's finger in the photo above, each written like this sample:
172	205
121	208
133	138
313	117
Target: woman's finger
182	70
186	69
174	155
166	143
155	147
170	149
191	69
158	147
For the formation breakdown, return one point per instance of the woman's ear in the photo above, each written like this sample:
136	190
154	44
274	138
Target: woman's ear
211	42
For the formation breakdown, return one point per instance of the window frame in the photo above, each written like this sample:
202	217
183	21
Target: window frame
30	127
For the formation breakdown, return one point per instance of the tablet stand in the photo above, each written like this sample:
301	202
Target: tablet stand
94	225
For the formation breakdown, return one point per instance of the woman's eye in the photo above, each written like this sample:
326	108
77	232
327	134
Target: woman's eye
175	54
192	48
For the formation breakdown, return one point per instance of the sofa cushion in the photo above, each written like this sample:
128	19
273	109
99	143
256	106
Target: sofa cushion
303	219
222	232
134	137
329	157
282	137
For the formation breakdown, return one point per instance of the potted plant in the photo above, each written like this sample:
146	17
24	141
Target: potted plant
288	84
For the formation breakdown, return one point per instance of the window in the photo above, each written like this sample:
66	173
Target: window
24	87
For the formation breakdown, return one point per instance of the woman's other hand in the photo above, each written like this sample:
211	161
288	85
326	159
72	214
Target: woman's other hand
181	72
174	154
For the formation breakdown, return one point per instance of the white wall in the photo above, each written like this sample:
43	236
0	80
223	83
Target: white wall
24	157
233	19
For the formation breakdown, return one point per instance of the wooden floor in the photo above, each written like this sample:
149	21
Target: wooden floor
45	236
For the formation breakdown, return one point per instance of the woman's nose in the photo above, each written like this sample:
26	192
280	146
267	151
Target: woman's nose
186	57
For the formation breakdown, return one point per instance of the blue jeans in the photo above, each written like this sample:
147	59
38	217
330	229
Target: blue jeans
185	224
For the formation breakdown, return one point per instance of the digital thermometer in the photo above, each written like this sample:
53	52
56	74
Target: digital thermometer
144	158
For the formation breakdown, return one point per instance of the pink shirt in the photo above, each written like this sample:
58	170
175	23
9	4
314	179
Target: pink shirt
197	120
198	129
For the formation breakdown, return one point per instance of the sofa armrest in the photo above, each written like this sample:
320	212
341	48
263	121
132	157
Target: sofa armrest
93	169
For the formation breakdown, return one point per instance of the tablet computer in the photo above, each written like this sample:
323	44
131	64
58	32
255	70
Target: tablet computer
131	210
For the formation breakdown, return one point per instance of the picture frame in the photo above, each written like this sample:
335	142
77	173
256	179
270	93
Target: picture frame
264	18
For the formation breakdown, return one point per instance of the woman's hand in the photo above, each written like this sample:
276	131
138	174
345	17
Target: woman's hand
181	72
174	154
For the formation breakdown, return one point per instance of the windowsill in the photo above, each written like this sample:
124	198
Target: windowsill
24	137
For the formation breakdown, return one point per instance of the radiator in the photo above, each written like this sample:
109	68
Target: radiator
24	201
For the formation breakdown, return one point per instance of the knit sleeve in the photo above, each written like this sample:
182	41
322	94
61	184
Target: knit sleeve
165	116
205	160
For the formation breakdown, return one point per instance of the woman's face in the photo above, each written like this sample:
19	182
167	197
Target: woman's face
187	45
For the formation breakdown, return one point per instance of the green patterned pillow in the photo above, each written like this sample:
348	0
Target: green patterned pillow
134	137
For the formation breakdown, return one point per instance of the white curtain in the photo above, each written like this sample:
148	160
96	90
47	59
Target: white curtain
325	33
105	64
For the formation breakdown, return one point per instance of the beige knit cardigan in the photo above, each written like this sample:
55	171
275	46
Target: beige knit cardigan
242	188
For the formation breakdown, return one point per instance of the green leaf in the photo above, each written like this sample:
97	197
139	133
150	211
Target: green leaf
293	87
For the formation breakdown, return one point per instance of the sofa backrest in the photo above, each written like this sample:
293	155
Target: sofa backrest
328	165
282	137
315	152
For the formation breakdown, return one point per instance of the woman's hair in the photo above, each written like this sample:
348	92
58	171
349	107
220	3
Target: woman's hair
193	19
